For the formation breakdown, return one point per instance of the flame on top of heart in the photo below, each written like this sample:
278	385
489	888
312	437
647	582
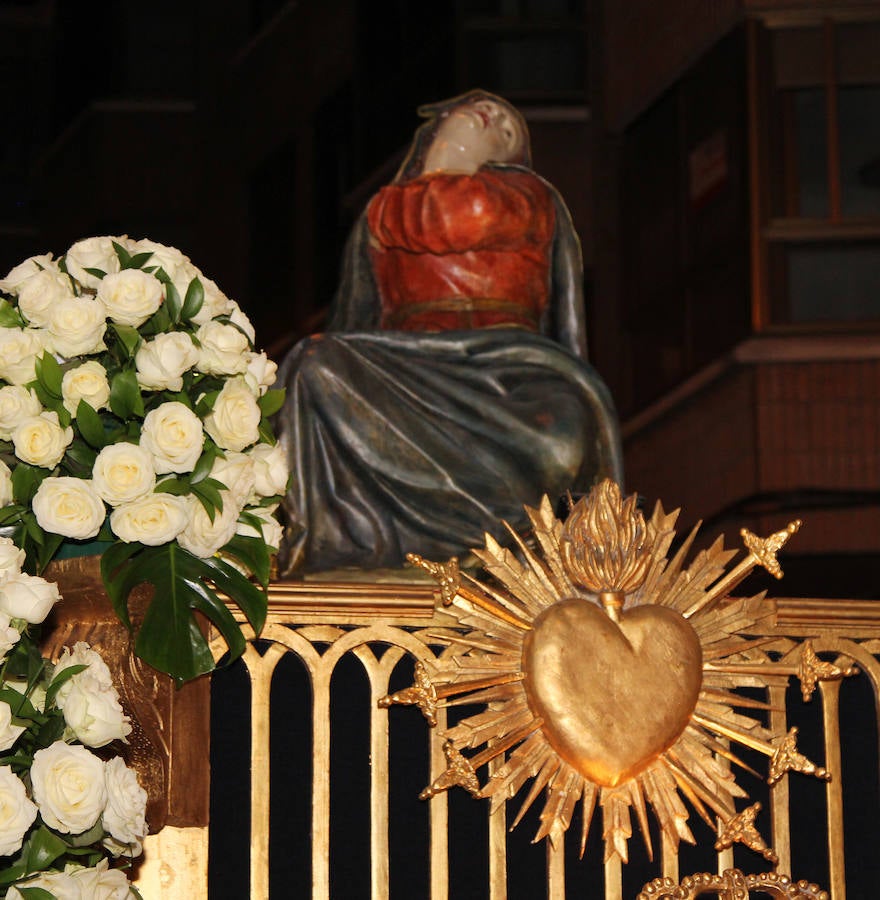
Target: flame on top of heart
608	673
606	546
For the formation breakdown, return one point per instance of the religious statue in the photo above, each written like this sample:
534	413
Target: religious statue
451	385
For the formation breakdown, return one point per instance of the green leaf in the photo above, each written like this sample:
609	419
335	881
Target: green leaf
60	679
49	375
51	731
34	532
192	303
48	549
90	425
35	893
79	460
98	273
43	849
206	403
267	435
13	873
25	481
122	255
11	515
92	836
172	303
249	598
271	402
128	338
113	563
24	662
176	486
253	553
19	702
125	395
169	638
206	462
159	322
208	492
10	317
137	261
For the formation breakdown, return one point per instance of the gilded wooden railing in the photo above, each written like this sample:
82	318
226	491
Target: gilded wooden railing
380	624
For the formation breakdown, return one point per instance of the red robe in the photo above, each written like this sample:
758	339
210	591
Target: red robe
462	251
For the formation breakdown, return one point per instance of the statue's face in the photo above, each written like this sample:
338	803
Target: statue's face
475	133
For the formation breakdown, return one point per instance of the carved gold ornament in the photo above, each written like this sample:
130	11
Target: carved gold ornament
732	885
608	673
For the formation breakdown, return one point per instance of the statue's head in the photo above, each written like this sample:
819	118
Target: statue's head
467	132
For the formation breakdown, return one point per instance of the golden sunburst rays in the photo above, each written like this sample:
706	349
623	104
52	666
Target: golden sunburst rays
608	675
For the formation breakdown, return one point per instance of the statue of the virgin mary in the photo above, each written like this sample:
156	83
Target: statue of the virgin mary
451	385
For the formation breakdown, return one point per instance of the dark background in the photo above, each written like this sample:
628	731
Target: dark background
250	134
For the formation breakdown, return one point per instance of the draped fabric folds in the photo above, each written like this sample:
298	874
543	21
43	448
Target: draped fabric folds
403	441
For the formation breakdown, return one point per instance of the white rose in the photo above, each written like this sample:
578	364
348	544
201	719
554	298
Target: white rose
11	558
216	303
162	361
94	253
5	485
204	538
82	655
89	700
17	812
9	733
129	851
93	712
25	270
236	474
270	528
16	403
102	883
124	815
130	296
41	441
69	787
76	327
153	520
86	382
234	422
9	637
173	434
237	317
223	349
60	885
123	472
41	292
169	258
28	597
19	349
260	373
271	470
69	506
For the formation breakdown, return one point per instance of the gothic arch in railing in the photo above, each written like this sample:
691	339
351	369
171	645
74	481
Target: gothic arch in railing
349	635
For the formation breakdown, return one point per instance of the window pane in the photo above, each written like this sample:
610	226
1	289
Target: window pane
859	118
540	63
834	282
811	152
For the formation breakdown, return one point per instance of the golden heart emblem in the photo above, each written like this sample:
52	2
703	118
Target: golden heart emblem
613	695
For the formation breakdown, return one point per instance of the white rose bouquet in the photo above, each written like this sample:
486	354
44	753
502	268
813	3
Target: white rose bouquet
71	820
135	422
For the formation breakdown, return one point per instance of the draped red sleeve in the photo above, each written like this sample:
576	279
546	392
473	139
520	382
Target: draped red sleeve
463	251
